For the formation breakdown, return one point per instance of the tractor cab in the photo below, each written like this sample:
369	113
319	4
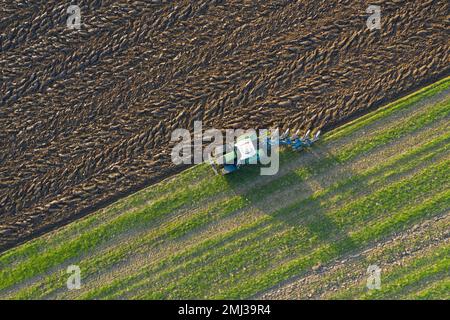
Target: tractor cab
229	158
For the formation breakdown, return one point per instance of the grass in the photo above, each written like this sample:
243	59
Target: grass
202	236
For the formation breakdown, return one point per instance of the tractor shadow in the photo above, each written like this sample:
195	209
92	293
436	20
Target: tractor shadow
291	195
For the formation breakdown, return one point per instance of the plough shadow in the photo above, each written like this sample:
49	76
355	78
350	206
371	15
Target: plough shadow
270	196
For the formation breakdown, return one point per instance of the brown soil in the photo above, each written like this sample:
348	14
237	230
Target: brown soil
86	115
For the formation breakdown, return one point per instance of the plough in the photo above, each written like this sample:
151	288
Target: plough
298	143
230	158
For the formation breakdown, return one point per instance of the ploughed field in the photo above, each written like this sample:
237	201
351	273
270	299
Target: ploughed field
86	115
375	191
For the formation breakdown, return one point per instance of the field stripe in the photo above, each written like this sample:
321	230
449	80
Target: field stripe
437	290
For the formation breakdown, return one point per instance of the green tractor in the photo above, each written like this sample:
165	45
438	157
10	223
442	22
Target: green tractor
230	158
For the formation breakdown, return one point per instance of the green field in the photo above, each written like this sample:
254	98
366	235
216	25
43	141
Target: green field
374	191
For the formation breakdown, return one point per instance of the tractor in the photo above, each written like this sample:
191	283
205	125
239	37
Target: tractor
230	158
